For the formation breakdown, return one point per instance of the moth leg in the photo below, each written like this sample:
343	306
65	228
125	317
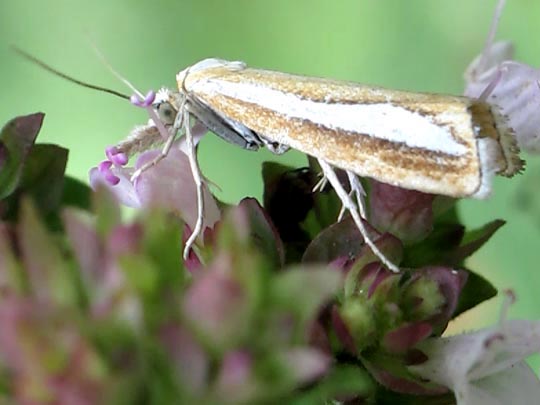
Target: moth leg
349	204
164	152
321	184
357	190
199	183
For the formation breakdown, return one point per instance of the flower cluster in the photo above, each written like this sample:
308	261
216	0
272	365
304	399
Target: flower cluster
275	306
276	303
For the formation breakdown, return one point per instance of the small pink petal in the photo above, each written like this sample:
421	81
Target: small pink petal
104	166
123	190
111	178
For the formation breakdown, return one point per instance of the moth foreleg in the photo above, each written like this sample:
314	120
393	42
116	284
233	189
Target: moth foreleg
199	184
162	155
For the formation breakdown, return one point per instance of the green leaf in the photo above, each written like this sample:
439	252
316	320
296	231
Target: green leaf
387	397
141	273
107	211
76	194
474	240
476	290
46	270
343	381
433	250
302	291
16	140
43	176
12	274
163	244
449	244
42	179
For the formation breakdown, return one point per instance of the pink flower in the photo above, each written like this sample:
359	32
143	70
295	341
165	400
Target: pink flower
169	185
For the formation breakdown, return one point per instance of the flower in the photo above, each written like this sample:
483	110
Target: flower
486	366
512	86
169	185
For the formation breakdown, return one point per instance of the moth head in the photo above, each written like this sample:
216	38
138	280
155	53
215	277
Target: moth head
167	104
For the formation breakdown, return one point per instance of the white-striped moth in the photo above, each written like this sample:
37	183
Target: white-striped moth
433	143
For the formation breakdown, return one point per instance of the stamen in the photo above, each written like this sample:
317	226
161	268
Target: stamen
509	299
147	101
104	166
491	35
111	178
115	156
105	169
493	82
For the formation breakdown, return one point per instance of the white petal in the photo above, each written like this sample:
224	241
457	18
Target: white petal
516	385
516	93
485	64
466	363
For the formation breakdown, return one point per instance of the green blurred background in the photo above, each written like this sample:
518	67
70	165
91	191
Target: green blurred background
421	45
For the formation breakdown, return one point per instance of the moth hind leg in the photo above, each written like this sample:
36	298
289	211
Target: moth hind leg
349	205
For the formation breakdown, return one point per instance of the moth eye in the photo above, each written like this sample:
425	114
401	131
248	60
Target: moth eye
166	113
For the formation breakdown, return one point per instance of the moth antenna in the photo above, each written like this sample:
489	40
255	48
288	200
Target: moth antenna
71	79
113	71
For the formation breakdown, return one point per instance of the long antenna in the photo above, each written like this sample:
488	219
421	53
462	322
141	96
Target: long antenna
52	70
113	71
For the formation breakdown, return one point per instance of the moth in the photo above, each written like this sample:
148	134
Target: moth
438	144
433	143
